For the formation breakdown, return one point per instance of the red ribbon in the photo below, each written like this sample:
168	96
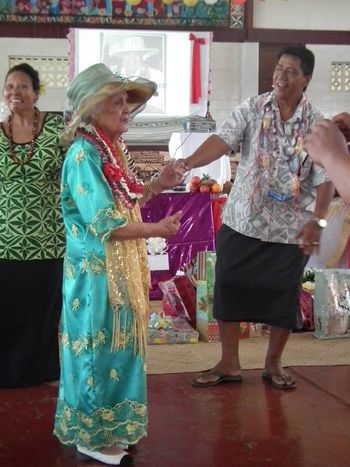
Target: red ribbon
196	84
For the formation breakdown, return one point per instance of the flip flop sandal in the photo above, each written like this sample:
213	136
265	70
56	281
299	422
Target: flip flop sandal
221	378
286	381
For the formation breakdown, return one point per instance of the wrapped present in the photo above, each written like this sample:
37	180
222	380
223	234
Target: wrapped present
206	325
332	303
307	310
196	232
164	329
178	297
187	292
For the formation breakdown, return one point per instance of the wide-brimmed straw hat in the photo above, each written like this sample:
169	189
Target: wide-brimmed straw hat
96	83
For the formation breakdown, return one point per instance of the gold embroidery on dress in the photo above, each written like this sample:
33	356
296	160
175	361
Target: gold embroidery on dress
97	266
84	436
87	420
75	304
102	219
67	413
94	263
112	419
107	414
63	427
69	268
139	409
79	156
114	375
84	265
65	339
80	345
81	190
131	428
74	230
99	340
90	381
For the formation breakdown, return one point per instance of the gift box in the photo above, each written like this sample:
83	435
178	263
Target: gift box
332	303
176	331
206	325
196	232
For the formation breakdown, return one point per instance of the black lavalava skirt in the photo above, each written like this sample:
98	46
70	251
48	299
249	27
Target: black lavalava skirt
257	281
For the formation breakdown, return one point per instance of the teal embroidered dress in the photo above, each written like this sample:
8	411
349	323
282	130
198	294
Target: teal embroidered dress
102	395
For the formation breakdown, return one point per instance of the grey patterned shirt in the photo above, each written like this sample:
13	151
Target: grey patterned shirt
275	180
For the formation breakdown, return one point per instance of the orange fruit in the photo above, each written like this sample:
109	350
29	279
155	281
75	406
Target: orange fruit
216	188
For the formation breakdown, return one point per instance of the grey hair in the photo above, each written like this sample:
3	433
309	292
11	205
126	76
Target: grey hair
96	109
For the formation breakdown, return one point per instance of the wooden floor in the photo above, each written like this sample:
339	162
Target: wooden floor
247	424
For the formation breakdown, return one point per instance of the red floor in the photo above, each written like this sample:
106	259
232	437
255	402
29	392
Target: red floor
248	424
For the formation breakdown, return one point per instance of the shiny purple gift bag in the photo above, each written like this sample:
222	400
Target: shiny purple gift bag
195	234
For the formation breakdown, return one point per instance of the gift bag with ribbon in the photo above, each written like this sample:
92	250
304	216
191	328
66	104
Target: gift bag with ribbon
332	303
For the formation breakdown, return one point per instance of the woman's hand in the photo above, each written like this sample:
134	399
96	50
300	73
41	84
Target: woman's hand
343	123
325	142
168	226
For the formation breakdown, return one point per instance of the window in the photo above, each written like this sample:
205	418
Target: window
52	70
340	76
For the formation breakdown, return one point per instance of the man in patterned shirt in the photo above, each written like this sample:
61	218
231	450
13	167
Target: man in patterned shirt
267	233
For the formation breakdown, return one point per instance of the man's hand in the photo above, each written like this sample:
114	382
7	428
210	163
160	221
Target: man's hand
309	238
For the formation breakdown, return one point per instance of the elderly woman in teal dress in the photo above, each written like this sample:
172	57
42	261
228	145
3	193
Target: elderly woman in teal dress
102	406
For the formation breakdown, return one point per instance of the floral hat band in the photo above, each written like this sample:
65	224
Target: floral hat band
96	83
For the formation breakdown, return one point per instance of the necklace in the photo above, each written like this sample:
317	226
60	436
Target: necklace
125	186
29	154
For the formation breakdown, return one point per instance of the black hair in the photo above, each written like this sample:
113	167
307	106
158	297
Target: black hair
30	72
306	57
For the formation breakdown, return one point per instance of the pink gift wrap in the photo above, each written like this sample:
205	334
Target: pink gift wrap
195	234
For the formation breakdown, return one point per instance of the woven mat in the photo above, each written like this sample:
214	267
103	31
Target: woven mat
302	350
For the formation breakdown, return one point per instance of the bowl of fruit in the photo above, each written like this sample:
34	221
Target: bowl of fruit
204	185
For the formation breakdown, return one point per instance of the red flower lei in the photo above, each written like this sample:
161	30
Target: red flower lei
125	186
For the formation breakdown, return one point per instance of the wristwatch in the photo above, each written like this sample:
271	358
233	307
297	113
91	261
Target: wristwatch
320	222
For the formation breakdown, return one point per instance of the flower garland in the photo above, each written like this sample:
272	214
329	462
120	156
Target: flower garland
125	186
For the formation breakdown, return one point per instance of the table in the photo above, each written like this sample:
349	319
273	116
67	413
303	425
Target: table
195	234
184	144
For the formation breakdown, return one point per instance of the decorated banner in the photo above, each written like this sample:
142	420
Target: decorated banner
145	13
